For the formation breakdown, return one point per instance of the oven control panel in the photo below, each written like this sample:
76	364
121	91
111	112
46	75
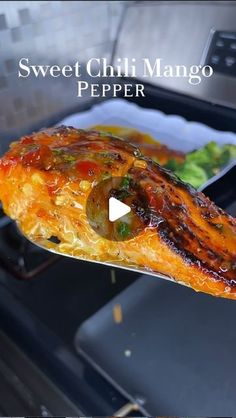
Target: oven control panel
221	53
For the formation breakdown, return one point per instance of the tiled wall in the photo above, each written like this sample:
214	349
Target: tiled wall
53	32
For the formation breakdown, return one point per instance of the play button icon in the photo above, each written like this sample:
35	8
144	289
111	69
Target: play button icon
117	209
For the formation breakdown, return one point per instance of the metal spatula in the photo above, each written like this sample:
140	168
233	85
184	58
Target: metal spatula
140	270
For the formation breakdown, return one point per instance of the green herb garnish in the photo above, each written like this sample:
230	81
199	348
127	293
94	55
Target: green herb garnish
123	229
125	182
58	151
69	158
63	154
106	176
105	154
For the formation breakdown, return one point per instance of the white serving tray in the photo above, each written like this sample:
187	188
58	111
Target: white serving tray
172	130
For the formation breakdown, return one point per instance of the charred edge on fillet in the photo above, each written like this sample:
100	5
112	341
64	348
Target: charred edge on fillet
178	241
189	258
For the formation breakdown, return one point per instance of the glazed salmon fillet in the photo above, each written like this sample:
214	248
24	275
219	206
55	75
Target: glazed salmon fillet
46	180
146	143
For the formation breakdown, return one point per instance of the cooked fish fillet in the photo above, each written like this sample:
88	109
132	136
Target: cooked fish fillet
45	181
146	143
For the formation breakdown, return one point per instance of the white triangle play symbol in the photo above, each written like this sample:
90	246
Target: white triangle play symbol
117	209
